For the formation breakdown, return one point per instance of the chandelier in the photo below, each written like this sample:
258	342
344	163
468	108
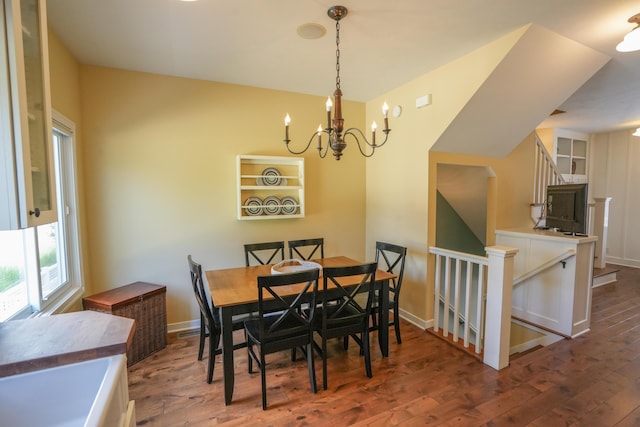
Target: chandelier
335	127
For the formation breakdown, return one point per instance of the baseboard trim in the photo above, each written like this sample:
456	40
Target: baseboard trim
624	262
420	323
195	324
183	326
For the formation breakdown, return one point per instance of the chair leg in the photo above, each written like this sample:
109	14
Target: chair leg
263	376
396	324
324	363
249	351
203	336
216	341
374	319
312	368
367	353
212	357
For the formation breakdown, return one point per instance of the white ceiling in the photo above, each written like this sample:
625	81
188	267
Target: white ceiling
383	44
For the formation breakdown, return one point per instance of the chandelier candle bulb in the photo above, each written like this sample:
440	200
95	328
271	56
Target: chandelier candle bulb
329	105
287	120
385	113
319	137
374	126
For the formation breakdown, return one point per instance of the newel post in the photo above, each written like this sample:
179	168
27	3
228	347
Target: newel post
601	229
498	317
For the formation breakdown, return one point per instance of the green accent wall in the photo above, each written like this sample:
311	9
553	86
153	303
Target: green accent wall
452	232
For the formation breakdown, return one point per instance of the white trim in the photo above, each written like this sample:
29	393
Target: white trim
189	325
414	320
63	123
622	261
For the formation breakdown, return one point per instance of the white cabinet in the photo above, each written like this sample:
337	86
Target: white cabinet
557	298
27	192
571	155
270	187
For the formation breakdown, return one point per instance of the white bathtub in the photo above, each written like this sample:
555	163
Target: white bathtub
91	393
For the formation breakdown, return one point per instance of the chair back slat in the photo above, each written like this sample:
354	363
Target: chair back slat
391	258
280	312
263	253
306	249
345	310
209	312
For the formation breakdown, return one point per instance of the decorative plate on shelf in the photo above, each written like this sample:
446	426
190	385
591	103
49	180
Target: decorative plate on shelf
271	176
289	205
253	206
271	205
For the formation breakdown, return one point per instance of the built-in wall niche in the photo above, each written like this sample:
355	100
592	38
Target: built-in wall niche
270	187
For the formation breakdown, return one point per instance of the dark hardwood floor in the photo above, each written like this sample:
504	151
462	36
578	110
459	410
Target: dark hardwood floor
593	380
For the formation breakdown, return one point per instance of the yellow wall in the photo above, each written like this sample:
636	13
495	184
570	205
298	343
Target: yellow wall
398	207
160	165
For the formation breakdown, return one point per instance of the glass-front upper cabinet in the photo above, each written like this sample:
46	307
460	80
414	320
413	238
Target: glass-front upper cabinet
571	150
25	117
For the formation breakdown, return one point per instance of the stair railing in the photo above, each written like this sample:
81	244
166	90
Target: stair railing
477	289
562	258
545	173
460	280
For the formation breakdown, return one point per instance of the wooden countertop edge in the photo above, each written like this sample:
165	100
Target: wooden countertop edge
26	366
113	335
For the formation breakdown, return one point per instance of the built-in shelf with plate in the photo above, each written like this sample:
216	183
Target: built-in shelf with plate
270	187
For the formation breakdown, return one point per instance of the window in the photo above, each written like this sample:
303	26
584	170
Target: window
40	266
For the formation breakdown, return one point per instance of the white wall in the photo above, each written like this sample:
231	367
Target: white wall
614	172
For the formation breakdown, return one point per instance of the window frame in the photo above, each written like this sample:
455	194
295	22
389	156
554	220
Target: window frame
69	293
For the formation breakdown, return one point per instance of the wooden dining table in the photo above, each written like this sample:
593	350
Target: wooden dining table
235	291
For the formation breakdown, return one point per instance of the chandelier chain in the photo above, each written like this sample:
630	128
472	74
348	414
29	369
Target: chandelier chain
338	54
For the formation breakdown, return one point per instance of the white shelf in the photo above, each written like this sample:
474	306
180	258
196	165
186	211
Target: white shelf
250	174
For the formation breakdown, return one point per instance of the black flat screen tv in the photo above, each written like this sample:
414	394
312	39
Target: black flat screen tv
567	208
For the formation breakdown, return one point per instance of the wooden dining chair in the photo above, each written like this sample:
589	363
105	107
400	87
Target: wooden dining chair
342	316
306	249
210	325
391	258
263	253
286	328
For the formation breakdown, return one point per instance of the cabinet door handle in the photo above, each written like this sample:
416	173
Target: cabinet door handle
35	212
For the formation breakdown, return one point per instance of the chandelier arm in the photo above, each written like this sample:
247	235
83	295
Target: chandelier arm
351	131
320	148
286	141
326	147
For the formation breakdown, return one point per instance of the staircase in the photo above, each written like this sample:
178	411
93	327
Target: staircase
604	276
545	173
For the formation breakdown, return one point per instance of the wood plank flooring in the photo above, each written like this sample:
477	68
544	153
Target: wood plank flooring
593	380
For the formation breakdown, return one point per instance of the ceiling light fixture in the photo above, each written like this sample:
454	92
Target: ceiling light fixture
636	133
335	126
631	41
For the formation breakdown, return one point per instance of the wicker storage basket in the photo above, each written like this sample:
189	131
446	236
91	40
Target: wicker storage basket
144	302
